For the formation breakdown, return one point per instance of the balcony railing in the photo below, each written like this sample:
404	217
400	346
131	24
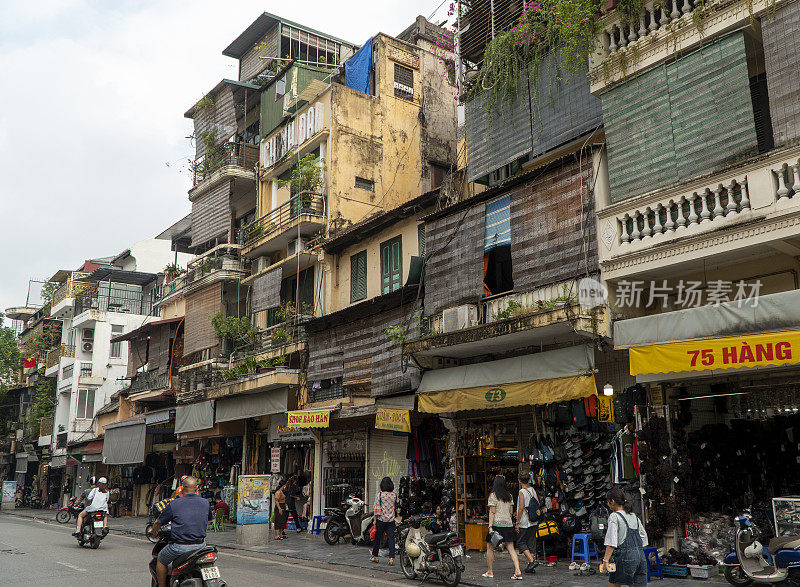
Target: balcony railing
71	289
304	203
149	380
86	370
225	257
54	355
127	302
242	155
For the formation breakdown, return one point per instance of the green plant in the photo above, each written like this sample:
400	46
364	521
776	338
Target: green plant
229	374
278	361
398	333
629	10
205	103
279	333
237	331
511	309
47	291
44	401
172	270
307	176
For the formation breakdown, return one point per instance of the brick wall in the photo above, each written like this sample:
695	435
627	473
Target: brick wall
782	56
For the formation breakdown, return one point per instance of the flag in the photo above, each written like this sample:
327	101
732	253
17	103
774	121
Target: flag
29	362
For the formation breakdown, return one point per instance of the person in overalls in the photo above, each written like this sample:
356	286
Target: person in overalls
624	559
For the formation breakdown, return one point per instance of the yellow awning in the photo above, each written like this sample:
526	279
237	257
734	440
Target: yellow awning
712	354
543	391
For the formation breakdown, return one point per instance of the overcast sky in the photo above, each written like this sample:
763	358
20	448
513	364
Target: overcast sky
93	143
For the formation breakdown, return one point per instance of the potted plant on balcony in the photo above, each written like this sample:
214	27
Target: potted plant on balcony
305	179
233	332
171	271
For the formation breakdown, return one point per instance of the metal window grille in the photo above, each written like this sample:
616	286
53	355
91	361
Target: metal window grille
317	393
403	82
86	369
365	184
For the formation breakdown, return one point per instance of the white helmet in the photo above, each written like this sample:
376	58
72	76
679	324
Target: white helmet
412	549
755	550
102	480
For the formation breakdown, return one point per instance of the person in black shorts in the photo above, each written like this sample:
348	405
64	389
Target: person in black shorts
526	529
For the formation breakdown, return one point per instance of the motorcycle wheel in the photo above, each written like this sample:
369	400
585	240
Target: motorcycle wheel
454	578
735	576
331	534
150	537
94	542
406	564
62	517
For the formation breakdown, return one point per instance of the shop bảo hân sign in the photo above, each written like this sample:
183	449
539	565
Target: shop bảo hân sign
308	419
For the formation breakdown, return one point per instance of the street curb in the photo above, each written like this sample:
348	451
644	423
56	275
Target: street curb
241	548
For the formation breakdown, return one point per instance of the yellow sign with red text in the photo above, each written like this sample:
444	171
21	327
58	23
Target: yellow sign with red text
308	419
754	350
392	419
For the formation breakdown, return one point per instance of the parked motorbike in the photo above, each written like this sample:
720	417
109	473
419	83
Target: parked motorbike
752	562
66	513
348	520
197	568
92	530
440	555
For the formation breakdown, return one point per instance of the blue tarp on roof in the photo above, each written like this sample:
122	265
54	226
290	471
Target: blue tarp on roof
358	68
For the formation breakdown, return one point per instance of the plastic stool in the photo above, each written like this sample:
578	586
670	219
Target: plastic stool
585	554
657	573
316	525
290	523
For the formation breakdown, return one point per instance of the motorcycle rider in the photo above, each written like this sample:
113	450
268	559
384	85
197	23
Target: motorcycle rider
97	502
189	516
84	496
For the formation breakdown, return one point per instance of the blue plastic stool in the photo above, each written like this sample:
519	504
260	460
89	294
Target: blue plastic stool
290	523
657	573
316	525
588	549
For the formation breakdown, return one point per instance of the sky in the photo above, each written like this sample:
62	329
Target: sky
93	143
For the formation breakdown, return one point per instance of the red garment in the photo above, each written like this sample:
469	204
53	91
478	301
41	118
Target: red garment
636	455
221	505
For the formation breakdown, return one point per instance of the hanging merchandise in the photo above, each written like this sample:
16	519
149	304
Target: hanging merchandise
624	459
425	451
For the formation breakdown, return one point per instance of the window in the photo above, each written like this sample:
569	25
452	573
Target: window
71	337
85	404
116	347
497	269
391	265
66	372
403	82
86	369
358	277
421	239
365	184
438	172
280	88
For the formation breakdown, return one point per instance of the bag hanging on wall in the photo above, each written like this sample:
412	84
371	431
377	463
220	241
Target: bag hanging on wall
578	414
563	413
590	406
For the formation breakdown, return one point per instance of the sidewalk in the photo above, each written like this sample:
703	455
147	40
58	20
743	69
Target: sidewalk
313	548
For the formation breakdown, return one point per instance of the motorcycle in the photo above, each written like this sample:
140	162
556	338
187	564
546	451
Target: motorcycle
752	562
441	554
197	568
348	520
92	530
65	514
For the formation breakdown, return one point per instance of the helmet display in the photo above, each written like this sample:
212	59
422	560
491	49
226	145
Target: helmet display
413	550
755	550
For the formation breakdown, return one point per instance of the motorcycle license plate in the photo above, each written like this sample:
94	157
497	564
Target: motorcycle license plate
457	550
210	573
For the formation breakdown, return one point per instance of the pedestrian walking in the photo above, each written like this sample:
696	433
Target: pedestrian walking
501	504
624	558
279	517
385	512
526	528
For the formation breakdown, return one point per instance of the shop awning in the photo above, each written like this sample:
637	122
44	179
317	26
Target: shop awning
44	440
124	443
541	378
93	448
22	464
157	417
251	406
193	417
58	462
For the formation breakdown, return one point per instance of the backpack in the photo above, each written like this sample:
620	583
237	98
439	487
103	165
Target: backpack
547	453
563	413
578	414
590	406
599	522
546	529
534	452
550	413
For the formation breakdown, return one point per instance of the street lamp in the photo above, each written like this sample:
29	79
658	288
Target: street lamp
608	389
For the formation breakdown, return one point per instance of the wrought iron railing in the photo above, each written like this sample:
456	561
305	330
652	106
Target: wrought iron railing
318	393
242	155
53	356
127	302
304	203
149	380
71	289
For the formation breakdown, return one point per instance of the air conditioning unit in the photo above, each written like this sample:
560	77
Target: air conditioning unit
295	246
460	317
88	334
88	346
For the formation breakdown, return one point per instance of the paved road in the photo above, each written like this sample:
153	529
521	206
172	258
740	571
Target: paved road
37	553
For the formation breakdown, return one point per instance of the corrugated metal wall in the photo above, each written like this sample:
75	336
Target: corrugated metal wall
218	119
251	63
547	226
782	56
563	109
198	330
211	213
680	120
454	268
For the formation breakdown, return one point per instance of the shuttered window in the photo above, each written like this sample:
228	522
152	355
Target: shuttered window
421	239
391	265
403	82
358	276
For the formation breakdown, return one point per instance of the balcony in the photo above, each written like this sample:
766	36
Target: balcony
753	206
239	156
302	216
63	301
149	381
221	263
116	298
665	27
54	357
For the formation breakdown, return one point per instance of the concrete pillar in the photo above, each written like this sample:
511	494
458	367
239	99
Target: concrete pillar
316	504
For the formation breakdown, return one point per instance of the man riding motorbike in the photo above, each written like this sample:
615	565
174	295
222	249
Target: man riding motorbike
189	516
84	497
97	501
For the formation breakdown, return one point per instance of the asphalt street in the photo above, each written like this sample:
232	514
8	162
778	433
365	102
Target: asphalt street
38	553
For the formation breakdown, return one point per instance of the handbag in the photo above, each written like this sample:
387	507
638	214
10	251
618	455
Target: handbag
372	532
545	529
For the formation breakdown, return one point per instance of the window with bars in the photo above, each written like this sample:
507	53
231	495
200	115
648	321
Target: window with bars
391	265
85	404
403	82
325	389
86	369
358	277
365	184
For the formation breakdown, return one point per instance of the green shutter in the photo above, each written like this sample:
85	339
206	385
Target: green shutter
421	239
358	276
391	265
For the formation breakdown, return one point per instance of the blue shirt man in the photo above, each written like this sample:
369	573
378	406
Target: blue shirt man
189	516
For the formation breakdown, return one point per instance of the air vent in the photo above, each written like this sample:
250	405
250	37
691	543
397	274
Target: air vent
87	347
460	317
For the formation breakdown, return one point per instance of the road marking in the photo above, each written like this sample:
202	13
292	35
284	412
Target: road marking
73	567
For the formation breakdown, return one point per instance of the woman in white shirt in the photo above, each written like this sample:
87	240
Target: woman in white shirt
501	504
625	539
98	499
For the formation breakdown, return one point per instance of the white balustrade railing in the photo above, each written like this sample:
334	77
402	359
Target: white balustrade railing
787	178
684	212
561	292
656	15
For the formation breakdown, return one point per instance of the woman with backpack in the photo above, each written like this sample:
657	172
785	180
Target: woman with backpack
501	504
528	512
624	541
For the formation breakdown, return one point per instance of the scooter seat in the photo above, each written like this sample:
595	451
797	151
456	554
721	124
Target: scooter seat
783	543
440	537
187	555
